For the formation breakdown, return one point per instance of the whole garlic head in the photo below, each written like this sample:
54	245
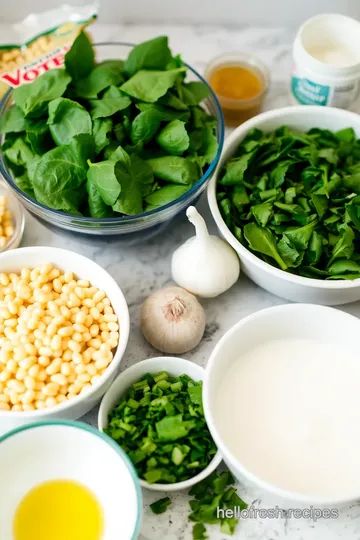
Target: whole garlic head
205	264
172	320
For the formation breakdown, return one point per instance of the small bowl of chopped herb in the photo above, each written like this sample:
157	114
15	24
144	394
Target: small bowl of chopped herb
286	196
154	411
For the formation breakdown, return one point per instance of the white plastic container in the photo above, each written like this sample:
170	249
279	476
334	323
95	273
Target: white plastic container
326	68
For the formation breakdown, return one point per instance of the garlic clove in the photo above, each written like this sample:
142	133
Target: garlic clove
205	264
172	320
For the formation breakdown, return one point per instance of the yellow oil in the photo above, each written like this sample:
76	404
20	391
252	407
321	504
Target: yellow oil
59	510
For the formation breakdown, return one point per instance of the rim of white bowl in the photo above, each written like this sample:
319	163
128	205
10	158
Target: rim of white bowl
106	439
120	350
177	486
227	454
237	135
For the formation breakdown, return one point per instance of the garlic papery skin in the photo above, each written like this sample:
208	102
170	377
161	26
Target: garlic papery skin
172	320
205	264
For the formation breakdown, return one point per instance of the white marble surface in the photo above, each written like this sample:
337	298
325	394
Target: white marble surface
142	269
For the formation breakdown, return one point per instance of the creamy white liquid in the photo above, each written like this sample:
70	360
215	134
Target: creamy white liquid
289	411
336	56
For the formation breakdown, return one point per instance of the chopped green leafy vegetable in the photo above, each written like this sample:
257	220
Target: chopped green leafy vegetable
160	506
140	107
160	424
213	497
292	198
199	532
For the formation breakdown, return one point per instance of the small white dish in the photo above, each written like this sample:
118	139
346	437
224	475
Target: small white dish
84	268
175	366
37	453
18	218
288	321
281	283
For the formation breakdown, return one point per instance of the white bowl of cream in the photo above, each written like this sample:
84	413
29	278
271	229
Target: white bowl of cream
282	402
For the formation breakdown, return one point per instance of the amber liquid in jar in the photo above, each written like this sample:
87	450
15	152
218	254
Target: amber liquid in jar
240	90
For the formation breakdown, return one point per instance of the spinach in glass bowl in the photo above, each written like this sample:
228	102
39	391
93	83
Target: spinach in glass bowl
115	147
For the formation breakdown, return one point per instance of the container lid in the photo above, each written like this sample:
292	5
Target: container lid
330	31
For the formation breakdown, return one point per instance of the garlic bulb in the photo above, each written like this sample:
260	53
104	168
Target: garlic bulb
172	320
205	264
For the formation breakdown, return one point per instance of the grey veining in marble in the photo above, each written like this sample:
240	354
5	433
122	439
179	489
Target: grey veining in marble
139	270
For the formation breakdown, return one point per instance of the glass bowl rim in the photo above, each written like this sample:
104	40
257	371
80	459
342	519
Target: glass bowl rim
221	135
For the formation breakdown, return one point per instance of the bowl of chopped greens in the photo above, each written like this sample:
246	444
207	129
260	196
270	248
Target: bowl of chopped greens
154	411
118	141
286	196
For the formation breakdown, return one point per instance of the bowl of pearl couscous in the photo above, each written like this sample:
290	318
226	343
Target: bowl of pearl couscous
64	328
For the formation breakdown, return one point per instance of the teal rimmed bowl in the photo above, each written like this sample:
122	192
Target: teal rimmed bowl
65	450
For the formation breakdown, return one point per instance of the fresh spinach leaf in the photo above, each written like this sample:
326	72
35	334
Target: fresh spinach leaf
111	102
262	212
289	254
67	119
173	138
149	85
174	169
172	101
101	129
344	267
344	248
59	175
38	135
79	60
33	98
209	146
145	125
198	90
153	54
135	177
105	74
315	248
235	170
165	195
102	175
13	121
98	208
23	183
19	153
262	240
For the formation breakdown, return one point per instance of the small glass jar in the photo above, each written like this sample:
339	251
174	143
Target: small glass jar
237	111
18	218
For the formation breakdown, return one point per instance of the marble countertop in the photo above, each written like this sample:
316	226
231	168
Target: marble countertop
141	269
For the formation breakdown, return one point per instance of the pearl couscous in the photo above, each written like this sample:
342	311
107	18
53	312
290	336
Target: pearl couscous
57	337
6	222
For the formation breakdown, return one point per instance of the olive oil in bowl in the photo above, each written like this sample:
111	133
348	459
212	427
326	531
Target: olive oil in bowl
59	510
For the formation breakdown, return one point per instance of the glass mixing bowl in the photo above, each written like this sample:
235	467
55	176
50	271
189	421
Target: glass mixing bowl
142	225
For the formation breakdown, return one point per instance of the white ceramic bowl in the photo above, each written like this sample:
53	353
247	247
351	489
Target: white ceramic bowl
37	453
174	366
274	280
15	260
288	321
